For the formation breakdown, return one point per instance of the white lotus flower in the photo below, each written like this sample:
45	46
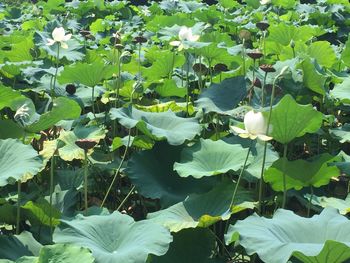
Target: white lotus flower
185	34
265	2
59	36
255	127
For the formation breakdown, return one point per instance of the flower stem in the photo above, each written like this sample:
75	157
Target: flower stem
52	164
53	93
93	101
310	200
187	83
284	176
126	198
263	91
117	171
86	171
239	179
18	206
261	183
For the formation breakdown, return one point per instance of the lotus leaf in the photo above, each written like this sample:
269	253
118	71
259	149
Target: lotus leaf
115	237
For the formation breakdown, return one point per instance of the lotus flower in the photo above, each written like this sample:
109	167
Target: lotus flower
185	34
265	2
59	36
255	127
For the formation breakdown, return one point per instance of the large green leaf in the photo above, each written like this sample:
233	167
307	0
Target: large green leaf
207	157
12	98
58	253
115	237
341	91
164	64
341	133
17	162
158	125
302	173
203	210
63	109
152	173
342	205
223	97
86	74
313	79
189	246
275	240
10	129
332	251
39	213
290	120
65	253
323	53
14	247
345	55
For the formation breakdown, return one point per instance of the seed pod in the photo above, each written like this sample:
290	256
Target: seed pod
263	25
255	54
200	68
244	34
220	67
119	46
85	144
257	83
140	39
267	68
71	89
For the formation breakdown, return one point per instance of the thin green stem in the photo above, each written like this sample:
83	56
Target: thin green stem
239	179
284	176
93	101
139	61
221	243
310	200
126	198
53	93
117	171
250	95
261	181
52	165
243	57
18	206
263	91
210	71
187	83
86	171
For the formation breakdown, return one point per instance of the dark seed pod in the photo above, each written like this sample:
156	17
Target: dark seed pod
267	68
200	68
71	89
263	25
119	46
220	67
85	33
85	144
140	39
255	54
257	83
